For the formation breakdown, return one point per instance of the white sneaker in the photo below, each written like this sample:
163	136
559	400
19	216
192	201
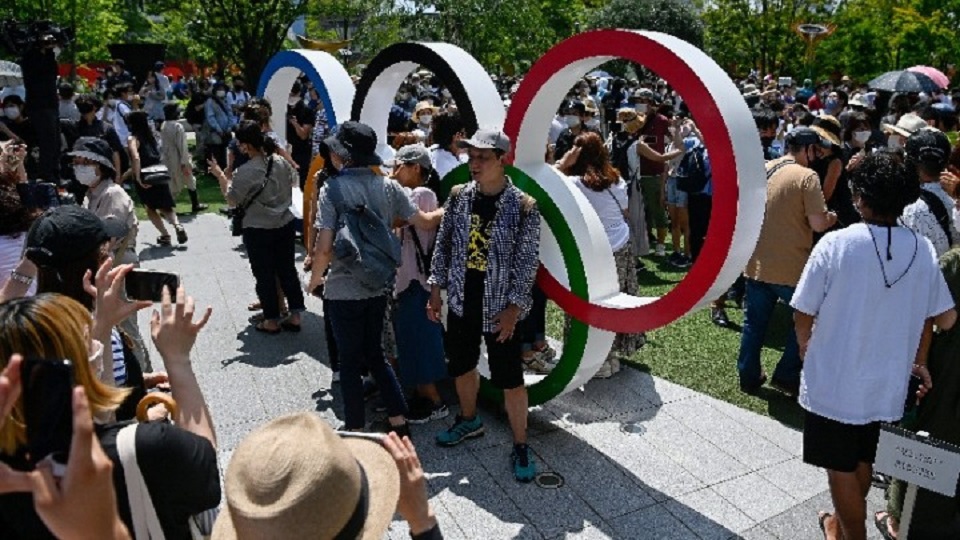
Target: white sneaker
536	364
661	250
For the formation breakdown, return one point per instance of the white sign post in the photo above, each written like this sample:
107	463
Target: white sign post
919	461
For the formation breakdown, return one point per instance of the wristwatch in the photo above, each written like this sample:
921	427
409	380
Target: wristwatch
21	278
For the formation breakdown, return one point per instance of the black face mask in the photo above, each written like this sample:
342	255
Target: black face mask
766	142
85	108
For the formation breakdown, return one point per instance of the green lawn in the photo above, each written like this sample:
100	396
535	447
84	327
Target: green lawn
695	353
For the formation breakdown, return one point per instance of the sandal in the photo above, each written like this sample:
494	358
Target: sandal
823	517
163	240
289	326
181	234
254	306
882	521
265	330
258	317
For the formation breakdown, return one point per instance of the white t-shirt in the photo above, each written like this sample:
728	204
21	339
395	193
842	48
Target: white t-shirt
444	161
921	219
866	334
633	160
609	204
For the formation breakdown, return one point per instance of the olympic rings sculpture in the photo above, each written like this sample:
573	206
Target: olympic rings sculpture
577	268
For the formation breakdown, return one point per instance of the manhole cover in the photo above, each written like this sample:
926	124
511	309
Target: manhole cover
632	428
549	480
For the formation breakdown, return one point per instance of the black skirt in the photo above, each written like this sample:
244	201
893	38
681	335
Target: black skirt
156	197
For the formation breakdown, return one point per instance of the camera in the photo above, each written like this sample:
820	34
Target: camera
20	37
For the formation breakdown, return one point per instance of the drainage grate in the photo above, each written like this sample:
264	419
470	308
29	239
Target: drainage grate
549	480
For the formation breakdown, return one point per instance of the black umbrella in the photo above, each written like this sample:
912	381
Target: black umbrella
904	81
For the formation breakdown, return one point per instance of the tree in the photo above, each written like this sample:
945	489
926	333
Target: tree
675	17
744	34
247	32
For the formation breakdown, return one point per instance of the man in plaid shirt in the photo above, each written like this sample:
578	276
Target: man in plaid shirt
486	257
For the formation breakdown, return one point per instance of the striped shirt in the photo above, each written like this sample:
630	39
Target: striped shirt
119	366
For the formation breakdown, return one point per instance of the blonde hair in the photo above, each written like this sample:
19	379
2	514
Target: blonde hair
50	326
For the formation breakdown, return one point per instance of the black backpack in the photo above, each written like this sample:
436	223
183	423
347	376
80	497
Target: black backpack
619	157
692	174
939	211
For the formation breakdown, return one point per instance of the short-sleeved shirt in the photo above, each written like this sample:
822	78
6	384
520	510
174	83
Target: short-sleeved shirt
410	270
179	468
109	200
919	217
793	193
609	204
482	212
271	208
359	186
444	161
866	334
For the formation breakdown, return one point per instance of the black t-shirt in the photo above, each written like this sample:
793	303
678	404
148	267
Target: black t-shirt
300	147
478	247
566	139
180	470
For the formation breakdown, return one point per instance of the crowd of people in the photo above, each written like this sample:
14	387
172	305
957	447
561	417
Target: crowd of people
861	218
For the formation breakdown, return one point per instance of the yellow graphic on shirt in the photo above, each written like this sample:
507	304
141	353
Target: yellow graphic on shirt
478	244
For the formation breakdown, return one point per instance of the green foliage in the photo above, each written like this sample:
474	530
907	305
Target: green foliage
97	22
874	36
675	17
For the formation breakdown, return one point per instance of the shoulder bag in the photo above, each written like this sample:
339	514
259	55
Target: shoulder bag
238	213
146	524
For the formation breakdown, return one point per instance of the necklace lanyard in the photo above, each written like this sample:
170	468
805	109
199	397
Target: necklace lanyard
876	248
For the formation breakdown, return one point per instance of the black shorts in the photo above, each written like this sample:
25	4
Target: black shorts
462	344
837	446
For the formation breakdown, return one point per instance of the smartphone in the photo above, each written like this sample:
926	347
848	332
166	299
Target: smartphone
912	388
48	408
149	284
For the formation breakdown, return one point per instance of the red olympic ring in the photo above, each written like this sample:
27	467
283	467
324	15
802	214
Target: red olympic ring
653	54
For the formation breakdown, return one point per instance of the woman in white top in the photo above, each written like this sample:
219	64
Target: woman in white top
588	165
16	215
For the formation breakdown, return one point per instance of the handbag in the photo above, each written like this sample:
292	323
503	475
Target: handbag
155	175
146	524
238	213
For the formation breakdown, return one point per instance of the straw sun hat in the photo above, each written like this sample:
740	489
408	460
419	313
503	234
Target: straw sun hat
295	478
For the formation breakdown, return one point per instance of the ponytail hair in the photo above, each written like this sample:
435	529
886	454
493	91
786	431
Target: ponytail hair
249	132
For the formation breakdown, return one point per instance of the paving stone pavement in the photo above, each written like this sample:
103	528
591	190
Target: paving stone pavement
642	458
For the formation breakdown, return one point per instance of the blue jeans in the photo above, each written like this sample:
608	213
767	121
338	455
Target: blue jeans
357	327
761	298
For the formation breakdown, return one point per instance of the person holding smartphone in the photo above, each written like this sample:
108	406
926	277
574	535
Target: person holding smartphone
178	462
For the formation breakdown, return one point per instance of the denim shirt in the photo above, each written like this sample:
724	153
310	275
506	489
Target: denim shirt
218	116
511	262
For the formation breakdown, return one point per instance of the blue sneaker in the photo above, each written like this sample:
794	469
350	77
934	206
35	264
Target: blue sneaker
524	467
460	431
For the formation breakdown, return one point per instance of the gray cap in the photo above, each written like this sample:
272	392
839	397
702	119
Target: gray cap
412	153
488	139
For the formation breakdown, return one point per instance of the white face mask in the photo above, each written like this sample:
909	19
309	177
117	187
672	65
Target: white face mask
85	174
221	93
893	142
641	108
861	136
426	119
572	120
12	113
593	123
